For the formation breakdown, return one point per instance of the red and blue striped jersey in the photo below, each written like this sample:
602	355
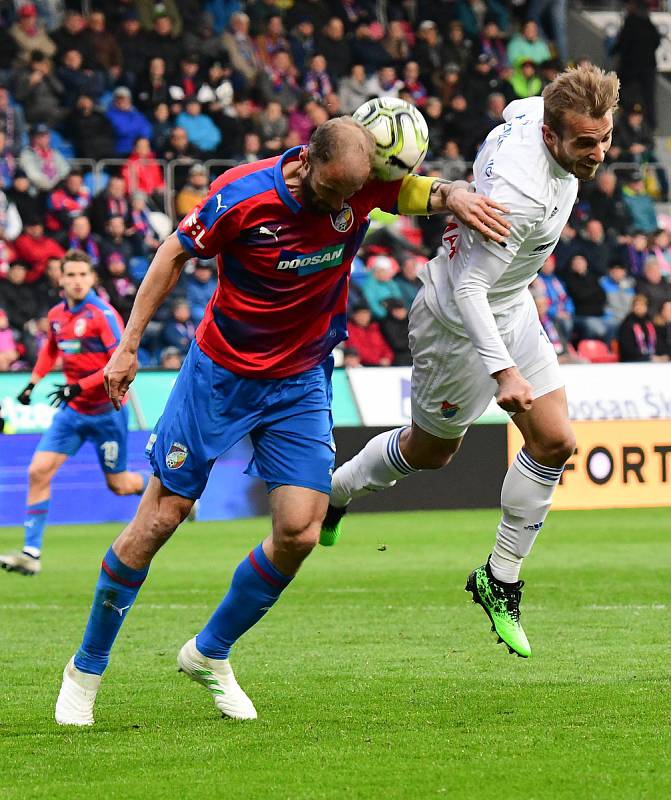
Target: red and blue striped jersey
280	305
85	336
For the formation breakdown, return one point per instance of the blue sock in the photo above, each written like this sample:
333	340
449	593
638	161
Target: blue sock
36	519
255	587
115	593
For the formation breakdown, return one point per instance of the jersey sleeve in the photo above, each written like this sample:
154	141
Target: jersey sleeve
110	327
214	223
383	194
487	261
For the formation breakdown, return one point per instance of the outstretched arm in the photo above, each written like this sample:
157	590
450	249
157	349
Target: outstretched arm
160	279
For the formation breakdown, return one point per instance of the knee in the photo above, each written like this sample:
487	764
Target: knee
38	473
558	449
298	537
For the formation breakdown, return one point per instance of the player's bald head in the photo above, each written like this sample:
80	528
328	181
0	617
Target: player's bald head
345	142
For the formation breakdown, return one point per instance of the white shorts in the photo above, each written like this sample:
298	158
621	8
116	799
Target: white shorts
451	387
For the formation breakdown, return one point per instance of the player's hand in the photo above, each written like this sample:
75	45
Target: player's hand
25	394
119	374
515	394
63	393
477	211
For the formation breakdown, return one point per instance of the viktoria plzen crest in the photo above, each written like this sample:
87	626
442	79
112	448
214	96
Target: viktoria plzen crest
176	455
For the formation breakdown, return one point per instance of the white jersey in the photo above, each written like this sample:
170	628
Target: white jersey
477	287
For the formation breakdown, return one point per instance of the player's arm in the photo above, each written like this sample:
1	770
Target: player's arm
487	261
420	195
160	279
45	361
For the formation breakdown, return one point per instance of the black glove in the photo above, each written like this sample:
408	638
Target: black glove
24	396
63	393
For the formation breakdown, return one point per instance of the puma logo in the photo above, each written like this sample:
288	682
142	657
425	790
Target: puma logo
220	205
267	232
119	611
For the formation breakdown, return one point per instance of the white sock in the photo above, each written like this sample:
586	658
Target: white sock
526	496
379	465
34	552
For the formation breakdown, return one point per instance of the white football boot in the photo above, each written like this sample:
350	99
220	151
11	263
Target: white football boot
22	563
216	675
77	696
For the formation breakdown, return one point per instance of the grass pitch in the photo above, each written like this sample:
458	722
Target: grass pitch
374	676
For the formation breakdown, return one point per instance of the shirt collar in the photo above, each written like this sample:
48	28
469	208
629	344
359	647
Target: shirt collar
280	184
76	309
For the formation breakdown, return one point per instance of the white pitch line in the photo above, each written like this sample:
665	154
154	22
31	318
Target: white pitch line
628	607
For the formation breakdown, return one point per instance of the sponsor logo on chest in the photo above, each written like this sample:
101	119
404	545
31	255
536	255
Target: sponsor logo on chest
307	263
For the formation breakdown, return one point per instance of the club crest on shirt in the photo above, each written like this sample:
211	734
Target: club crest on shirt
80	327
448	410
344	219
176	455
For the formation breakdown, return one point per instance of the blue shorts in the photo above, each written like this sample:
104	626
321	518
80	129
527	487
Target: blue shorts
210	409
107	432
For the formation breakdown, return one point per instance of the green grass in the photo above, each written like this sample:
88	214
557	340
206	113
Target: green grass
374	677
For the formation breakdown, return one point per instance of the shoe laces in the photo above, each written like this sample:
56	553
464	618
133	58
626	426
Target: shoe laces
511	595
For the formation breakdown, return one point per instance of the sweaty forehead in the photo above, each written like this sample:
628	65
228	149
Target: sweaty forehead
579	126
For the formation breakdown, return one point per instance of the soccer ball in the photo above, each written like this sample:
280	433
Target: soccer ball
400	132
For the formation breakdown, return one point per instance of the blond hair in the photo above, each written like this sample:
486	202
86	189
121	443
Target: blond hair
588	91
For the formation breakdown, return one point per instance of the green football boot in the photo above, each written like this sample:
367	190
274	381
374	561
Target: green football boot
501	602
332	526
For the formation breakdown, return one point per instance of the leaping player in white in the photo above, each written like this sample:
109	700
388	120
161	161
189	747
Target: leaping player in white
475	333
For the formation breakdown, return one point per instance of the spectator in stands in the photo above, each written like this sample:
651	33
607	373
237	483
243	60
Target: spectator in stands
379	284
132	42
659	246
483	81
589	299
396	44
566	354
525	81
633	140
30	35
457	48
195	189
635	46
25	197
12	122
663	331
366	340
302	43
7	254
128	123
73	35
637	337
179	331
605	204
80	237
279	81
384	83
44	166
464	125
449	83
39	91
162	127
352	90
560	308
634	253
316	81
187	79
153	87
492	42
9	351
200	128
272	127
394	329
366	49
180	148
428	53
8	163
241	50
90	131
67	201
76	79
163	41
251	148
49	286
595	246
528	44
164	15
653	286
116	285
216	91
408	279
142	173
21	302
143	228
200	286
170	358
272	40
34	249
413	85
118	238
107	52
620	290
555	12
111	202
639	205
202	41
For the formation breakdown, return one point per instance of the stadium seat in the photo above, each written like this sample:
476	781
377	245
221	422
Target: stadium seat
596	351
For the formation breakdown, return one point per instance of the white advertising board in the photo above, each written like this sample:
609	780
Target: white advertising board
594	391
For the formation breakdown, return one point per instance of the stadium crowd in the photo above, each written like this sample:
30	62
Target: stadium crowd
168	94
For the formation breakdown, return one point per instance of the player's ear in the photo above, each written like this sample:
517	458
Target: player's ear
549	136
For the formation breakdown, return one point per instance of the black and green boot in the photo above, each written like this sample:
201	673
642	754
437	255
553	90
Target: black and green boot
332	526
501	602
